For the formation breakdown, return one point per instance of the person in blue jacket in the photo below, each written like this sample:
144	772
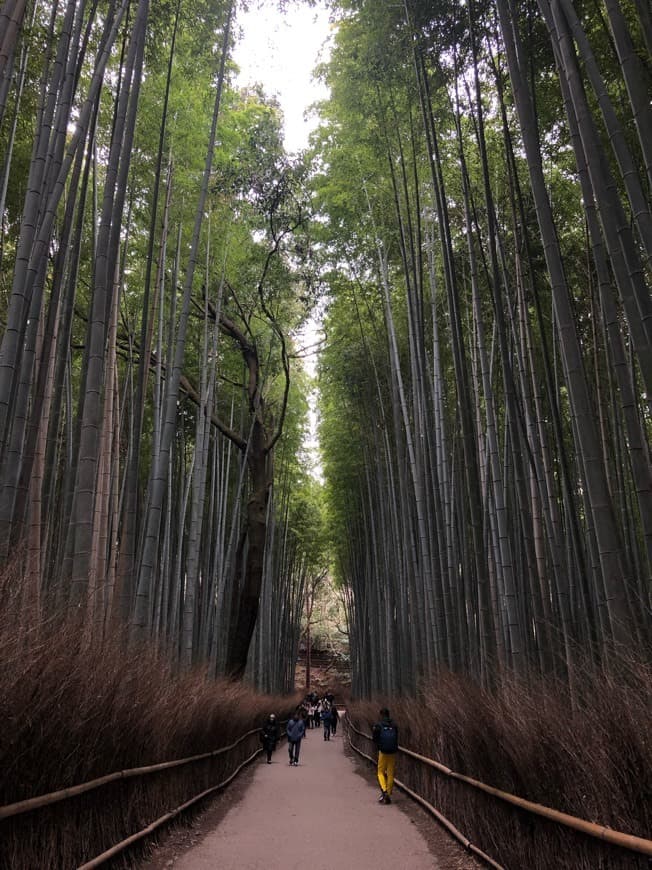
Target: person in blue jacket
296	728
326	719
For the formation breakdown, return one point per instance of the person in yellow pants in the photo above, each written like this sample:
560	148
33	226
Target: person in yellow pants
385	736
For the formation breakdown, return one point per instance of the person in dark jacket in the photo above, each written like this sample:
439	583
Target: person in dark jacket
335	718
326	719
296	728
269	736
385	736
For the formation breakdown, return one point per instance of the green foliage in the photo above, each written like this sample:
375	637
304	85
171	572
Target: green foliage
307	522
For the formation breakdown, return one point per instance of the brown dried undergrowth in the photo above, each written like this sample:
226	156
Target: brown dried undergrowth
591	758
73	710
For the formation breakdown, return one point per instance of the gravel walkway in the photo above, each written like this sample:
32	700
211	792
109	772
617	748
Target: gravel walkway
317	816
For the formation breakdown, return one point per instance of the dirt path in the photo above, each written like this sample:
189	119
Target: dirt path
316	816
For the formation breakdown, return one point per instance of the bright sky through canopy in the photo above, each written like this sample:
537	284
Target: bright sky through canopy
280	50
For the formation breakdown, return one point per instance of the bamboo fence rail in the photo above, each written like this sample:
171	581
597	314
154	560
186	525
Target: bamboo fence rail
45	800
450	827
145	832
616	838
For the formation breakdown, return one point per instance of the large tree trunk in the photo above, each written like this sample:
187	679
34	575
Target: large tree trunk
246	603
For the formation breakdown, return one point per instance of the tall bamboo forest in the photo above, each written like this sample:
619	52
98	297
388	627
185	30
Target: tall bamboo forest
471	225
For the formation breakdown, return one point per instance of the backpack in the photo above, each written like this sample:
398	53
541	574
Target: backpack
388	737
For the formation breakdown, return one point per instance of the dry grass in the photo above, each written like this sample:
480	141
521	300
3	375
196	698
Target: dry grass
72	711
592	759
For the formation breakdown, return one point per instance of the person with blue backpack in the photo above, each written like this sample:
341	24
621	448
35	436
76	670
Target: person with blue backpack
385	736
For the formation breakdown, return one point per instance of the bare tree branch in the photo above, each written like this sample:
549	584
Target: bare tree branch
236	439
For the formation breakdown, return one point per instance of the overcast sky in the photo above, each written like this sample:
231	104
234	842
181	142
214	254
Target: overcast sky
280	51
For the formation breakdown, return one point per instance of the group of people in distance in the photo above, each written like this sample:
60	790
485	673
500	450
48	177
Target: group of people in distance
315	711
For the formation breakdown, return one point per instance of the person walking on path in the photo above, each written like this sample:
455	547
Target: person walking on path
326	818
385	736
326	718
269	736
296	728
335	718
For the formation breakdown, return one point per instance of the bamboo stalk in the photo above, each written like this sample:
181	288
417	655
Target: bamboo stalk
600	832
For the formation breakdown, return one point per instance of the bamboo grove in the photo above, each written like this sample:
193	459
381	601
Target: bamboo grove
153	273
485	179
475	210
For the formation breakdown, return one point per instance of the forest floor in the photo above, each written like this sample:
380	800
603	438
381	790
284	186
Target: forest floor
317	816
324	678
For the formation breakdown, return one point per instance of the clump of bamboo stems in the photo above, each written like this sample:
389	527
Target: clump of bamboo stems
590	758
73	710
